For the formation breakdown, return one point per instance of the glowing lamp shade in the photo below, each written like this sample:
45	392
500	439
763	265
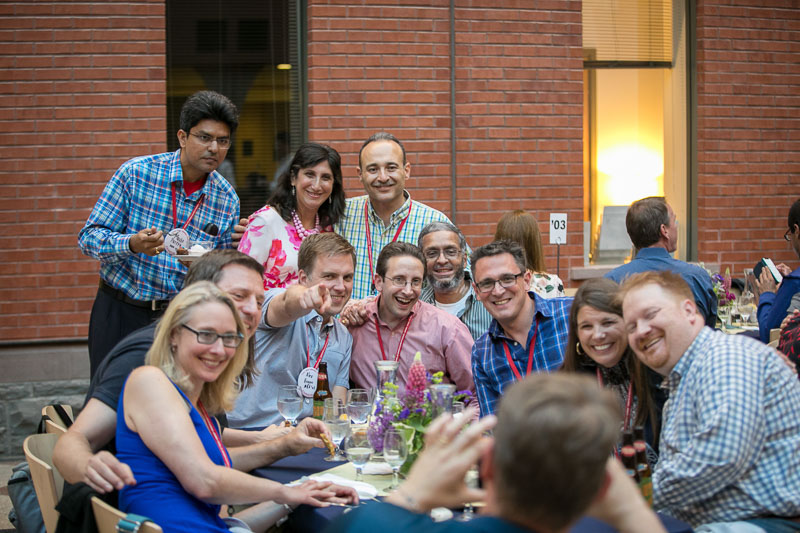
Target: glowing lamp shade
628	172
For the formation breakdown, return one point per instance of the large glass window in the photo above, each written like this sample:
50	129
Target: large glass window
635	128
249	51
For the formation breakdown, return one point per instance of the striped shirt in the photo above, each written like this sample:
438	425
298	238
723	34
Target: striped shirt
139	196
731	433
490	367
474	314
352	227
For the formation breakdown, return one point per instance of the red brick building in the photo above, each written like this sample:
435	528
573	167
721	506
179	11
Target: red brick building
493	123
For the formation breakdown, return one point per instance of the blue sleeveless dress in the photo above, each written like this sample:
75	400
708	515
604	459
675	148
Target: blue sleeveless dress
158	494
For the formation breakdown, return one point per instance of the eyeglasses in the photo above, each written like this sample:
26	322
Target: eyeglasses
432	254
229	340
401	282
506	281
206	140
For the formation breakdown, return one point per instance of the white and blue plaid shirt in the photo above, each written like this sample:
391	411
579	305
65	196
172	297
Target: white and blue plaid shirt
730	441
352	227
139	196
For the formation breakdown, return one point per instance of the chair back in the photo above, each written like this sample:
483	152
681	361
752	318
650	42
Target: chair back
107	518
49	414
47	481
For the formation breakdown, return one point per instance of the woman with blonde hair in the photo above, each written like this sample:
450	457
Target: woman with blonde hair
521	227
166	434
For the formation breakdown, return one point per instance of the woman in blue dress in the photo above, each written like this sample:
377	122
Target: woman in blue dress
166	435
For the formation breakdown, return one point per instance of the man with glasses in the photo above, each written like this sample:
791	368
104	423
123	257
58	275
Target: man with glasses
398	325
774	300
528	333
448	281
148	199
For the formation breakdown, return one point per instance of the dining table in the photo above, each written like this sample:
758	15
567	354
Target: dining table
308	519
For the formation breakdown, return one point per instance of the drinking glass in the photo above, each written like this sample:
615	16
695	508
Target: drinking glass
334	415
290	404
442	398
395	452
458	409
724	314
471	480
358	450
746	306
358	405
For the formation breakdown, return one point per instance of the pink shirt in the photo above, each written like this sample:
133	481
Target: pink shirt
443	340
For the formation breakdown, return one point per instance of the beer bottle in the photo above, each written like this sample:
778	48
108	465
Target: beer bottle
323	391
628	453
643	467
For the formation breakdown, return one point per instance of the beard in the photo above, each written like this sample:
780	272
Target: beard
447	285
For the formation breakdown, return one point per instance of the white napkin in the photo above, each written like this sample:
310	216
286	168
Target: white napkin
365	490
377	469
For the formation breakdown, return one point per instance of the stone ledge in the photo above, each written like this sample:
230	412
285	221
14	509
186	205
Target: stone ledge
44	362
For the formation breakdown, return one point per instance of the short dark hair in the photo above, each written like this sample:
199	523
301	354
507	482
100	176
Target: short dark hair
644	220
323	245
440	225
208	105
310	155
794	215
382	136
397	249
551	445
497	248
209	266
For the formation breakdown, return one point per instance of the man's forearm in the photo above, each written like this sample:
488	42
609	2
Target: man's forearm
285	308
252	456
71	456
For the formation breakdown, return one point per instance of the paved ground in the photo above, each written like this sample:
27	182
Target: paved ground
5	502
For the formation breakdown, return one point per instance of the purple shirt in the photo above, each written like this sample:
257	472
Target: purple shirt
443	340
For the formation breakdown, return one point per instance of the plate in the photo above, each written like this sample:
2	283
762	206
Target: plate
188	258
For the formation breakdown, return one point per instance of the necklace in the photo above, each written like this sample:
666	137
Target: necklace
303	232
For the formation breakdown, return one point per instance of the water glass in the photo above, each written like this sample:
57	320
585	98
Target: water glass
747	306
471	480
290	404
442	398
359	451
395	452
358	405
335	417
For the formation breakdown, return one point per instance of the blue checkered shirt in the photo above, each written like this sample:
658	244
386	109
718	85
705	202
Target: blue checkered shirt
352	227
138	196
730	441
490	368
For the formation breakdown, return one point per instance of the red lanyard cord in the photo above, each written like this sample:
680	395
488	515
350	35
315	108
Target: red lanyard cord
321	353
369	236
402	337
213	430
175	207
530	354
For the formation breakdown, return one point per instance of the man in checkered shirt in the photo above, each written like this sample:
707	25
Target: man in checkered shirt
731	427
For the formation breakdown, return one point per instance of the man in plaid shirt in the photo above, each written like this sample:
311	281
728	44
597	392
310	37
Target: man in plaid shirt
731	427
145	199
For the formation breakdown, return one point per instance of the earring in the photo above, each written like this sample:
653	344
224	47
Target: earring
173	348
294	193
578	349
330	199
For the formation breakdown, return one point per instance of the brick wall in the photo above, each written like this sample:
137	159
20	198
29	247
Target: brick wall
82	90
518	103
748	73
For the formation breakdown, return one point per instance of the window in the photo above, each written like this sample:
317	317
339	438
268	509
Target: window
250	51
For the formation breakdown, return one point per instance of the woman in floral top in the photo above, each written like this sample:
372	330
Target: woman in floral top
520	227
309	195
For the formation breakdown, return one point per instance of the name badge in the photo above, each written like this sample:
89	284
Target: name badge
175	239
307	382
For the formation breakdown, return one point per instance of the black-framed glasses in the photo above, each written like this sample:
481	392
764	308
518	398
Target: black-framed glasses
505	281
431	254
206	140
402	282
229	340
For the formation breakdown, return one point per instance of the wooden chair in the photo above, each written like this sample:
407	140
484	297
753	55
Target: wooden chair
107	518
774	334
53	422
47	481
570	291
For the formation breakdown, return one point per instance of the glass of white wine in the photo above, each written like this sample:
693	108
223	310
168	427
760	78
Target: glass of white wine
747	307
359	451
290	404
395	452
335	417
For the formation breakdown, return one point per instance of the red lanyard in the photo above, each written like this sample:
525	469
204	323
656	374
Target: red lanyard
402	337
175	207
213	430
628	401
321	353
530	354
369	236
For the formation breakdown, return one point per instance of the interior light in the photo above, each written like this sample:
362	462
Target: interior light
284	66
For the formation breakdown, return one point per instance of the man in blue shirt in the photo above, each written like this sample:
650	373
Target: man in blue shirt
774	302
653	229
528	333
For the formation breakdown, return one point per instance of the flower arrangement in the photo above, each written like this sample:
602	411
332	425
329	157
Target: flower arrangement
722	286
410	412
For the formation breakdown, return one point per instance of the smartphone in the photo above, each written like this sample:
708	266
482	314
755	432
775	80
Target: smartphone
770	266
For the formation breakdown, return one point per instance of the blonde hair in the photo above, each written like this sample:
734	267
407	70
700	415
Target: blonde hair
521	227
219	395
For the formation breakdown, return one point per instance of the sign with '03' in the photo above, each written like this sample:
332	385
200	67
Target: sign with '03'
558	228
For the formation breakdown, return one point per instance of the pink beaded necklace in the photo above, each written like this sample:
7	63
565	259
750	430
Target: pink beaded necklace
303	232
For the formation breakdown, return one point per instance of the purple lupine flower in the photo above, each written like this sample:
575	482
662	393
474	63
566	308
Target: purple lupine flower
404	413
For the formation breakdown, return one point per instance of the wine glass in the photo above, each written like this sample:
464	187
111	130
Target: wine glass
358	405
746	306
395	452
290	404
471	480
335	417
359	451
724	314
